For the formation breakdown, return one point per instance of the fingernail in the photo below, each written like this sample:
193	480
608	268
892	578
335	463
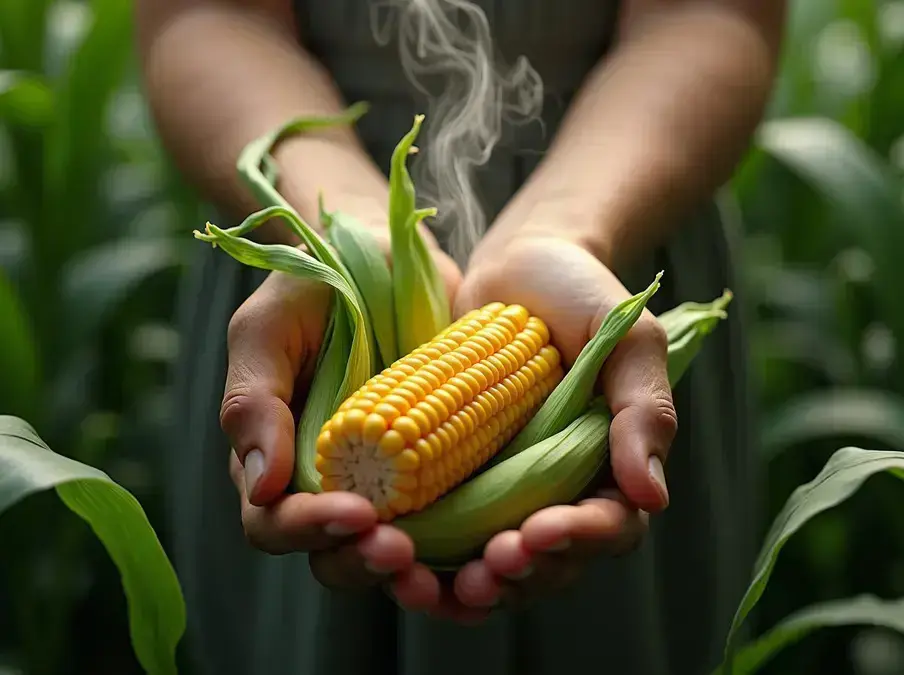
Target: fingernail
255	464
338	529
376	569
560	545
657	473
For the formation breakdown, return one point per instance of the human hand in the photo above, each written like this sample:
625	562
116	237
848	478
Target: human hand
573	291
273	342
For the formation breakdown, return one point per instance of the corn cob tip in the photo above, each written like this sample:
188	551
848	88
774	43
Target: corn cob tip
425	424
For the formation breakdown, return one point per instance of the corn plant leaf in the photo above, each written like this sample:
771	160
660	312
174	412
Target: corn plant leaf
23	33
364	257
860	414
95	282
24	99
571	396
19	360
844	473
862	610
157	616
77	143
850	176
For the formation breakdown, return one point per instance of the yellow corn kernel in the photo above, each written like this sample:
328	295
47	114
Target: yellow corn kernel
422	426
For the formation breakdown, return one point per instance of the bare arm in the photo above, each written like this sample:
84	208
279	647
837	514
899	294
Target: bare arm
219	73
659	125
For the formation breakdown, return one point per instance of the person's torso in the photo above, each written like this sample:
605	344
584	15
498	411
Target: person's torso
562	41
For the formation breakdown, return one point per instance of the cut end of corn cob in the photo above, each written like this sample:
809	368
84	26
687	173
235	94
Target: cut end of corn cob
422	426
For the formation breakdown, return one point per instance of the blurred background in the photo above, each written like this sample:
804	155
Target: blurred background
95	224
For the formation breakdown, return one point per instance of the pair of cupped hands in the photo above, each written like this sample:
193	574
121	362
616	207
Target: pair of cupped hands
274	339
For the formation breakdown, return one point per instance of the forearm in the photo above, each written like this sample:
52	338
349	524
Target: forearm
219	75
657	127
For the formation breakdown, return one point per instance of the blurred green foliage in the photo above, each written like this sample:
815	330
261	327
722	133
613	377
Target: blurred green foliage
94	223
89	259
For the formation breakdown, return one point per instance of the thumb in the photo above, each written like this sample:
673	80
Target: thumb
636	386
266	352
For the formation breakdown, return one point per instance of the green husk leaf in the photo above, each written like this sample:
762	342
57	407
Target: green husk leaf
845	472
359	249
258	169
686	326
156	606
688	316
324	397
553	471
346	346
421	303
570	398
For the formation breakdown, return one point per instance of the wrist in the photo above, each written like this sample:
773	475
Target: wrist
546	215
340	172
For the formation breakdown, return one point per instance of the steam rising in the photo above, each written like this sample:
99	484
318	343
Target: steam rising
449	43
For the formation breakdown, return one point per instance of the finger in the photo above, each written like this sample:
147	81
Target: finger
368	562
306	522
594	526
549	573
635	383
386	549
628	527
476	585
507	556
416	589
520	574
452	609
269	338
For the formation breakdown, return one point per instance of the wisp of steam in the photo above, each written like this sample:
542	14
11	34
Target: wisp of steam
449	43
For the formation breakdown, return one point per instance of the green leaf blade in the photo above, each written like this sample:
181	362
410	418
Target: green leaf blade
845	472
156	605
862	610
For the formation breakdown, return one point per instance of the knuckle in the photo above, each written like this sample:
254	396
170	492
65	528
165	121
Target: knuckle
250	529
631	543
664	416
254	533
240	324
237	403
649	329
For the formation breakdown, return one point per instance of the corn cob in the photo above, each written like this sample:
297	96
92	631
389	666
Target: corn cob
424	425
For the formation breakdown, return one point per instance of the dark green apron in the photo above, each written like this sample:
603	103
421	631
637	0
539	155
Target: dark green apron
664	610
